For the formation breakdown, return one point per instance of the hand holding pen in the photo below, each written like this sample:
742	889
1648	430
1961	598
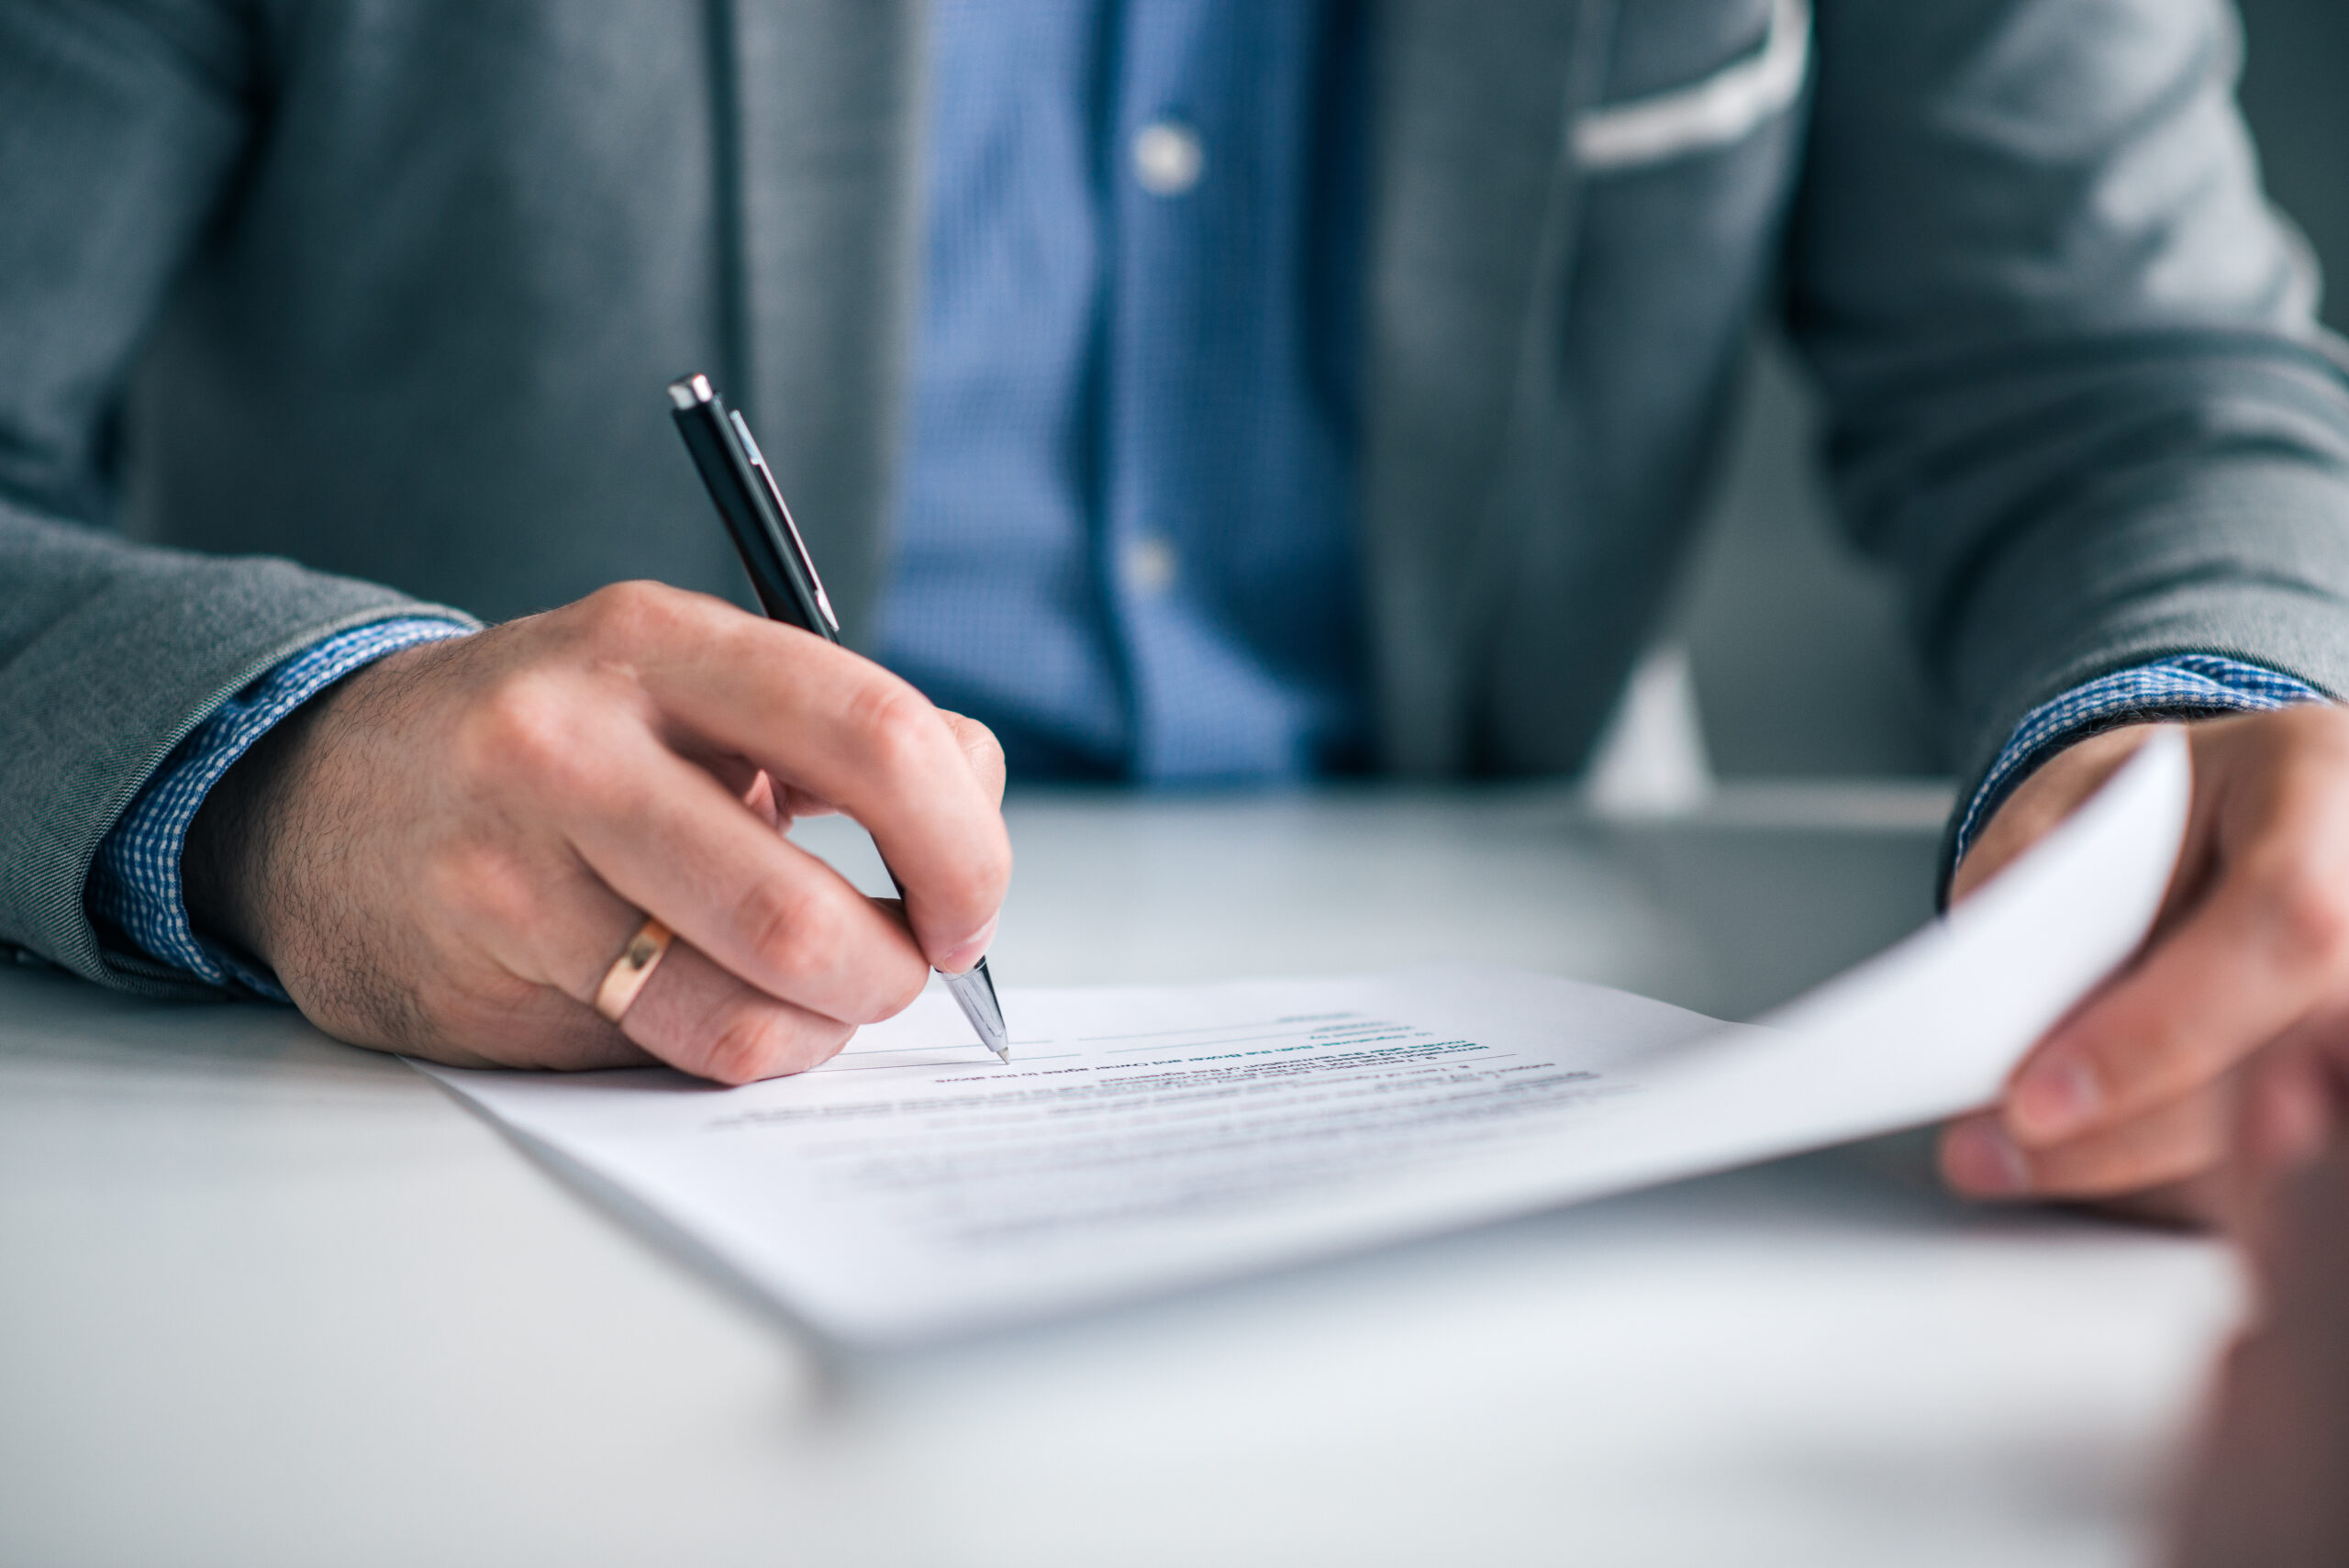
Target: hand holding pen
452	850
790	590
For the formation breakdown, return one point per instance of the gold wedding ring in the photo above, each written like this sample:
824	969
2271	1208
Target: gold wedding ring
632	969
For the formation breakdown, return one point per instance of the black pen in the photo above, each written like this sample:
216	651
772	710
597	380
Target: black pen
784	576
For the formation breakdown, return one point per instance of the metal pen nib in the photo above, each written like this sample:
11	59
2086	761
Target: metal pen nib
974	991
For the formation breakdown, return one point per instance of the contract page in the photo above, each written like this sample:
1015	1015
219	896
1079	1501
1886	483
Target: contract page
1141	1139
1138	1138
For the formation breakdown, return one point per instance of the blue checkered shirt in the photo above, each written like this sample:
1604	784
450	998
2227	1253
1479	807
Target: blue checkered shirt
2186	685
135	883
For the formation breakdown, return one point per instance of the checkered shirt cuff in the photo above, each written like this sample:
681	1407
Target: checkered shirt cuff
2186	685
135	882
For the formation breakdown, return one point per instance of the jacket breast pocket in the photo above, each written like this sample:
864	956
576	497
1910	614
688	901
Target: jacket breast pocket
1663	113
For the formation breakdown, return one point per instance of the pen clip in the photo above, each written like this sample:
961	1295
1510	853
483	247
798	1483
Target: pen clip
782	510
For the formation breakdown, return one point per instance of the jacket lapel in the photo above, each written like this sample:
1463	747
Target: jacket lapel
825	114
1470	193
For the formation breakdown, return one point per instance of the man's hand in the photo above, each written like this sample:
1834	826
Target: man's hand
2265	1490
444	854
2130	1098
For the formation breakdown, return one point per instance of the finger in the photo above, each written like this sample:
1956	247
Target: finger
700	1019
2281	1128
2260	951
2288	1114
841	728
536	914
793	804
689	1013
980	749
673	842
775	804
516	951
760	798
2175	1142
535	1026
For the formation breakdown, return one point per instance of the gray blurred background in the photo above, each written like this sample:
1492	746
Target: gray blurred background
1794	644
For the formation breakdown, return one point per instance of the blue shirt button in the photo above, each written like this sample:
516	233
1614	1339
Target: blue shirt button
1168	159
1151	567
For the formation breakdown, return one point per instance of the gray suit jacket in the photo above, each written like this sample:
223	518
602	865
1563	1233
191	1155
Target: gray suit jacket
390	290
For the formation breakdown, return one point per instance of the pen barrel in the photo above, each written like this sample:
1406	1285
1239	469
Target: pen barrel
783	574
734	487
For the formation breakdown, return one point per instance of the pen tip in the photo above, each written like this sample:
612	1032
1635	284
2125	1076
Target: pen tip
974	991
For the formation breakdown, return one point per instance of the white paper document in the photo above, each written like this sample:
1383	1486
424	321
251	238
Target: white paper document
1145	1140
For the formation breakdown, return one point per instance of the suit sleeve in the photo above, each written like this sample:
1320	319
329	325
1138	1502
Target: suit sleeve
2077	390
123	128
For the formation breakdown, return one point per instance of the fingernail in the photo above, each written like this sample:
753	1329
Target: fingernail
1982	1160
969	952
2055	1100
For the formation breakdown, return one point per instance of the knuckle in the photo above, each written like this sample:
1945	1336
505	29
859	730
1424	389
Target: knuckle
624	615
524	724
809	942
2309	914
748	1044
474	881
792	931
756	1041
898	729
981	749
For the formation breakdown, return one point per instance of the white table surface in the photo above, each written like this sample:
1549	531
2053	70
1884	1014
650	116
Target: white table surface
266	1299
